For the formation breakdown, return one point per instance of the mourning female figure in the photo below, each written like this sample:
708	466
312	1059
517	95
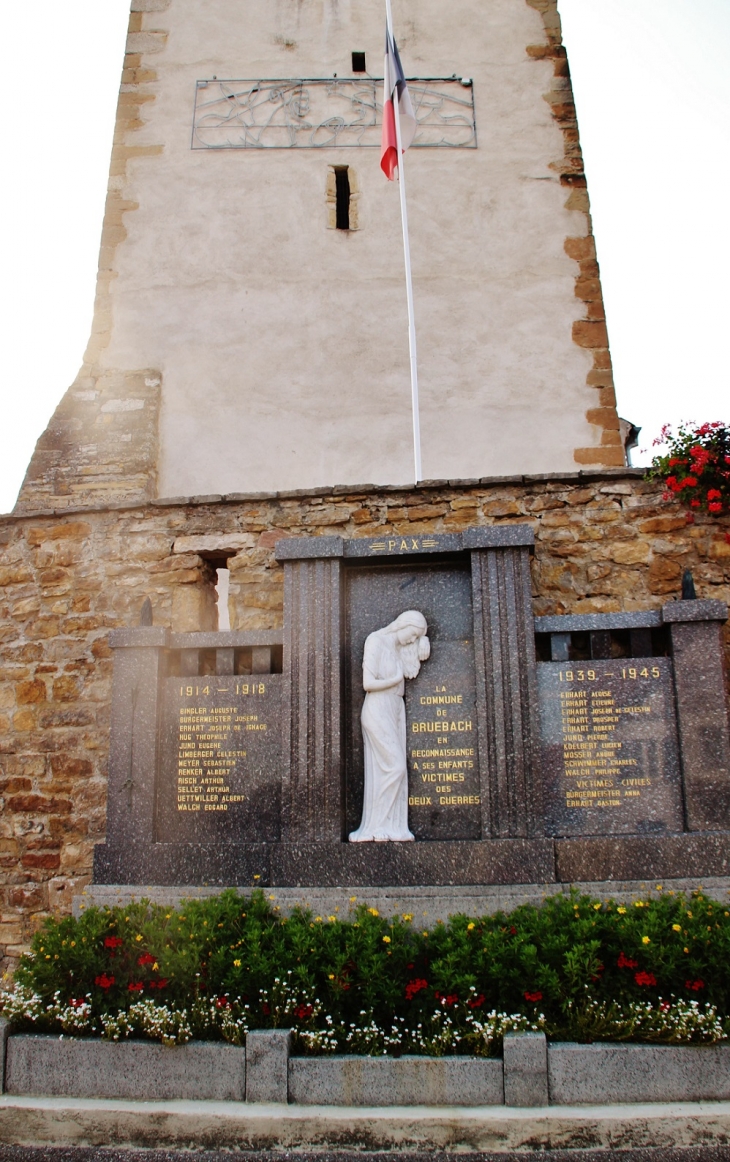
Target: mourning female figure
391	655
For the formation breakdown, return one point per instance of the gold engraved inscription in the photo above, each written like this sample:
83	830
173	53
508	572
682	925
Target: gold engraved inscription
598	774
448	759
210	743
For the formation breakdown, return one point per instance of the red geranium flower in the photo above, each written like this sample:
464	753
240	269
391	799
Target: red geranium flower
222	1003
77	1002
104	981
533	996
513	931
476	1002
136	986
624	962
113	942
695	503
714	494
304	1011
146	958
415	986
645	978
714	506
695	985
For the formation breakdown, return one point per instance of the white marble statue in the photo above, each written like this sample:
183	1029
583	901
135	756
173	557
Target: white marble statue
391	655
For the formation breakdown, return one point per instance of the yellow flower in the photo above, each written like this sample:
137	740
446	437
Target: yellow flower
331	919
690	915
138	937
407	916
352	899
676	927
645	940
48	956
257	877
332	976
373	911
318	919
659	887
237	963
168	916
73	943
621	911
272	897
686	950
470	926
424	933
155	967
597	907
386	940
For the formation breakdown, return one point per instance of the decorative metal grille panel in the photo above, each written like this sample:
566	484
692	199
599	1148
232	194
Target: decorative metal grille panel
321	114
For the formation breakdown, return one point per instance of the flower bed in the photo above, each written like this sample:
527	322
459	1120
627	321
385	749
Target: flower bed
576	968
696	467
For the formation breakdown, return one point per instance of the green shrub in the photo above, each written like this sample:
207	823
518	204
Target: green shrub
581	969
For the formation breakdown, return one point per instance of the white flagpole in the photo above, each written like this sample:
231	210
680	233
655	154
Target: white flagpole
409	281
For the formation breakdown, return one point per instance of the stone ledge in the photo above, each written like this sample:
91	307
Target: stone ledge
583	476
236	1126
429	904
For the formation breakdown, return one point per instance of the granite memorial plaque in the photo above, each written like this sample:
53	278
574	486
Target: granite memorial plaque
609	745
443	756
220	765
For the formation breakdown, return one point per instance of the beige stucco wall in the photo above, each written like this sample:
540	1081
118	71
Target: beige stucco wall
281	344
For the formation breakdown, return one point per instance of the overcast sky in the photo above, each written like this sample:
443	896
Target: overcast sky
652	87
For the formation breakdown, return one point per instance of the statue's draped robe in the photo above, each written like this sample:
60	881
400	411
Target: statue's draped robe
385	804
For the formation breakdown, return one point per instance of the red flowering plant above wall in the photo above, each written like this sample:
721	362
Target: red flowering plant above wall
696	466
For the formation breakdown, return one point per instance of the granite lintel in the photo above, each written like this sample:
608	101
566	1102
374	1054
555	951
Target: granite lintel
207	498
226	639
140	636
401	545
308	548
171	501
585	622
698	610
499	537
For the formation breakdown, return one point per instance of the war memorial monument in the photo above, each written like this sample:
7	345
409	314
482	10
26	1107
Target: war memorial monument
240	644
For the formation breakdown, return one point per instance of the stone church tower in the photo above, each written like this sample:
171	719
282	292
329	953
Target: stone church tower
250	327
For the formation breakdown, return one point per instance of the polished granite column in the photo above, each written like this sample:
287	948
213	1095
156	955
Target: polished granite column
312	767
507	708
695	629
135	729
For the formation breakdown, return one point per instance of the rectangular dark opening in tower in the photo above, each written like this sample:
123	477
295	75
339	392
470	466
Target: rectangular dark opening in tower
342	187
358	62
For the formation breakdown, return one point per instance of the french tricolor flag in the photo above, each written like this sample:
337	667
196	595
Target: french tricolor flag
395	89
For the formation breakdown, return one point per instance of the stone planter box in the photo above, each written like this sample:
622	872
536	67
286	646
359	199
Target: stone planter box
605	1073
531	1073
138	1070
396	1081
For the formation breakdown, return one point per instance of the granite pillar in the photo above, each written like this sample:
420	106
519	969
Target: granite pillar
504	649
702	712
135	727
312	768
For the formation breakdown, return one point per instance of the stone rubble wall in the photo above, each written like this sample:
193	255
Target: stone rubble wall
604	542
